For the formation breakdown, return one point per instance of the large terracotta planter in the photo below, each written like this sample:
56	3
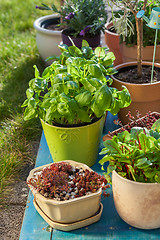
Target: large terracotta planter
77	143
67	211
145	97
137	203
92	41
47	40
112	40
129	54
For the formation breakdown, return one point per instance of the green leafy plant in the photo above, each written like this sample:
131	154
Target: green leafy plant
82	17
134	155
75	88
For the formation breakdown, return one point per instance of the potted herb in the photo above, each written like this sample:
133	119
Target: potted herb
146	121
67	191
134	162
48	34
122	28
82	20
136	76
71	98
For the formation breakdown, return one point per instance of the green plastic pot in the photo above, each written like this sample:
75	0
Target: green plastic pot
76	143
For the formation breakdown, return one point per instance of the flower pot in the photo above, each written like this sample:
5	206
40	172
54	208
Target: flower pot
129	53
77	143
67	211
47	40
92	41
145	97
112	40
137	203
138	122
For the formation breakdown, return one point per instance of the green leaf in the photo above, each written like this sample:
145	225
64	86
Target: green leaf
29	93
95	71
85	43
36	71
74	51
63	109
83	115
112	146
132	171
100	52
156	126
84	98
25	103
31	102
50	112
73	70
103	98
29	113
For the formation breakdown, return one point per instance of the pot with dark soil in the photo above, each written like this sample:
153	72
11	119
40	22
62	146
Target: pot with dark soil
145	95
48	36
67	191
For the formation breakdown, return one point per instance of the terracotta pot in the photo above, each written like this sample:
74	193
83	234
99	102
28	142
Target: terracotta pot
92	41
47	40
112	41
137	203
145	97
67	211
129	54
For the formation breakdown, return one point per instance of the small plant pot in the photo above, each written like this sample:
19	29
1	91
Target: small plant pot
137	203
130	125
67	211
77	143
47	40
92	41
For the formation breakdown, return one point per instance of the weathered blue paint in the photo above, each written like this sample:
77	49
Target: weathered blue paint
110	226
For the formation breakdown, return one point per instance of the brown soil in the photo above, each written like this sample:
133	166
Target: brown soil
54	27
130	75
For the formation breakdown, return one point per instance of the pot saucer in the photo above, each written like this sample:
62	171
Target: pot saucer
70	226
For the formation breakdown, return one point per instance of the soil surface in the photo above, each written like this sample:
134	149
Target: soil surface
130	75
12	211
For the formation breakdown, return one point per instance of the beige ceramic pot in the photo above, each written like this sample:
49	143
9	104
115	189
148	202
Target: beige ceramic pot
112	41
129	54
145	97
68	211
47	40
138	204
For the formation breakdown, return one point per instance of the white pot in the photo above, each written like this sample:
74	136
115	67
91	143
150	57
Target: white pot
138	204
67	211
47	40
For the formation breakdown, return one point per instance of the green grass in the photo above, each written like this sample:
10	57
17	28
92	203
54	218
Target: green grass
18	54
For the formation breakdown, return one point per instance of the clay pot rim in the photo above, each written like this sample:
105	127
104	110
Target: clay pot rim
37	25
53	201
136	183
107	26
127	64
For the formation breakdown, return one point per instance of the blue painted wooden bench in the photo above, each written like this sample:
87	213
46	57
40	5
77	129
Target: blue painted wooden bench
110	226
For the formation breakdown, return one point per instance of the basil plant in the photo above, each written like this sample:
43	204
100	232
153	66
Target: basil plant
135	155
75	88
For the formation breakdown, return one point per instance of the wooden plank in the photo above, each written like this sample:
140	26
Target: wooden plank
110	226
